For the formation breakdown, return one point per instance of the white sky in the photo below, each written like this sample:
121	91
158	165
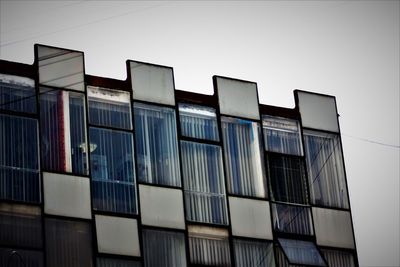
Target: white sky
349	49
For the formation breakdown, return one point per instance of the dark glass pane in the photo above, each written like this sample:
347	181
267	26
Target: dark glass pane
63	130
20	258
113	172
338	258
287	177
17	93
198	122
68	243
112	262
19	163
301	252
157	145
292	219
253	253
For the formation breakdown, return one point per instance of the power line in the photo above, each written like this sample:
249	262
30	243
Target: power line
371	141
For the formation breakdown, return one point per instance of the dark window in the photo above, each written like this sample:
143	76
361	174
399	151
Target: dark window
301	252
338	258
113	262
20	258
295	219
253	253
17	93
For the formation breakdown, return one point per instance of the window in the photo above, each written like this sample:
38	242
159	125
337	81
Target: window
156	145
198	122
338	258
163	248
253	253
20	258
19	163
294	219
63	131
112	262
209	246
68	243
325	169
243	157
204	183
113	172
301	252
282	135
17	93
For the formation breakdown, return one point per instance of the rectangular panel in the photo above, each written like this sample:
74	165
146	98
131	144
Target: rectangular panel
113	170
17	93
116	235
20	225
60	68
163	248
244	159
282	135
63	130
293	219
152	83
204	183
253	253
157	145
333	228
301	252
112	262
325	169
162	207
19	159
68	243
109	107
287	178
209	246
20	258
67	195
338	258
250	218
231	94
198	122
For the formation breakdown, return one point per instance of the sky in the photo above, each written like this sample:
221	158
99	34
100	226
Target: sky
349	49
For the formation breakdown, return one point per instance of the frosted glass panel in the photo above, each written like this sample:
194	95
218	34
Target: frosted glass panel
17	93
253	253
61	68
238	98
152	83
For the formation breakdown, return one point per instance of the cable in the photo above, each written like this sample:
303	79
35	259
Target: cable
371	141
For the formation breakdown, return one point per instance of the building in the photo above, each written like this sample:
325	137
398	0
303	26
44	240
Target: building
108	173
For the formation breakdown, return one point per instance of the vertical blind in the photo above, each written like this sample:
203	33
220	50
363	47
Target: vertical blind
63	131
20	258
204	183
19	159
253	253
198	122
163	248
338	258
282	135
113	171
156	145
17	93
325	169
301	252
68	243
243	157
293	219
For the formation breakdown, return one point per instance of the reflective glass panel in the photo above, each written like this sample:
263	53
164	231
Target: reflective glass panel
301	252
293	219
17	93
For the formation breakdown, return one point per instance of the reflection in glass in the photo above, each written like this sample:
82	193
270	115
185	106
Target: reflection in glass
253	253
113	173
17	93
63	131
204	183
198	122
156	145
301	252
293	219
20	258
325	169
19	163
243	157
109	108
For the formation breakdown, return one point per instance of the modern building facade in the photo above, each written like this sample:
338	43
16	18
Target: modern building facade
102	172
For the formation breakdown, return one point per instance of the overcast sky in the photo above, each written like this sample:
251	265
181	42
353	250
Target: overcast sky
348	49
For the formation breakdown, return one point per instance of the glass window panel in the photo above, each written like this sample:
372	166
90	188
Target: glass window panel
63	131
301	252
338	258
243	157
19	164
109	107
68	243
157	145
198	122
209	246
204	183
288	179
325	169
17	93
292	219
113	171
253	253
20	225
163	248
61	68
282	135
20	258
112	262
